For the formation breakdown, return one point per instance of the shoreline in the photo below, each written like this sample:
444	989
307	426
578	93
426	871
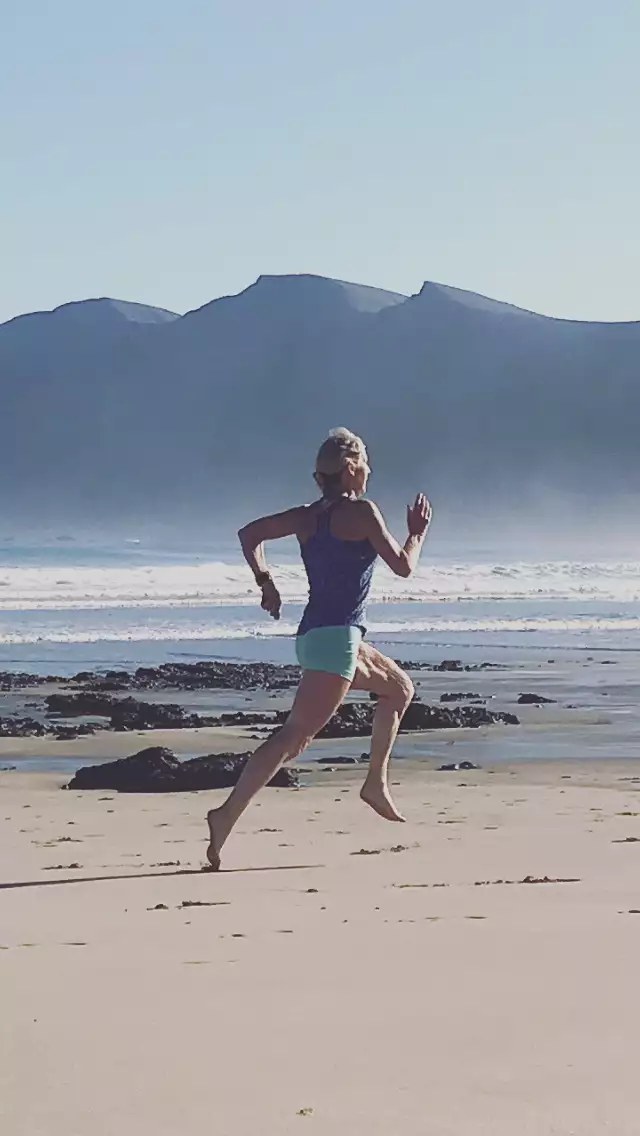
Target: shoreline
593	713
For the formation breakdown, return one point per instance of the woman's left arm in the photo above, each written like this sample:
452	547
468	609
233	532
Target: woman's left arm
252	539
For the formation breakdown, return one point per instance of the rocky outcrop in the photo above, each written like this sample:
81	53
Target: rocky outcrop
457	766
125	713
19	680
199	676
355	719
32	728
460	696
194	676
533	699
158	770
22	728
422	717
448	665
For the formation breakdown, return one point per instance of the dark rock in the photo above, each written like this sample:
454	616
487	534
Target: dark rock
422	717
337	761
126	713
18	680
533	699
213	675
354	719
129	714
460	696
22	728
457	767
79	705
351	720
448	665
67	733
242	718
158	770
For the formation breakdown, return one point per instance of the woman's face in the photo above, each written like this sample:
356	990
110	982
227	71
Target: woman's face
356	475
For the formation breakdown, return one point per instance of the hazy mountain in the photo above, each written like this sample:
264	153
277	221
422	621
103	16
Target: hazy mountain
116	410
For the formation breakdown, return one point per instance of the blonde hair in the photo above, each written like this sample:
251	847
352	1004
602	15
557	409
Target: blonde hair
340	447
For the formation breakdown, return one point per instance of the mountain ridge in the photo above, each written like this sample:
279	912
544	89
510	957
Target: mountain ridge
464	296
111	408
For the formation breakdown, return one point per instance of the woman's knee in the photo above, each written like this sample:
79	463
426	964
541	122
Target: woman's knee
402	692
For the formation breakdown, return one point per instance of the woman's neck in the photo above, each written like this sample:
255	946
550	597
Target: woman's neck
345	496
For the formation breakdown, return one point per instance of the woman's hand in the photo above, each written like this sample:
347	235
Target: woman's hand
419	516
271	599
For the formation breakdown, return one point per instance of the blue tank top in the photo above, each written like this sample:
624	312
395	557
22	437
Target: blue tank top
339	574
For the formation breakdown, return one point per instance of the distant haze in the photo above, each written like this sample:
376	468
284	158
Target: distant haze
116	413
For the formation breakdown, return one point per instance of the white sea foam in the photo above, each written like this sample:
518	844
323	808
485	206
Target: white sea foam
96	630
217	583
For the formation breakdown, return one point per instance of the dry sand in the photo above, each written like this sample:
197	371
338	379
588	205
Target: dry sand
321	989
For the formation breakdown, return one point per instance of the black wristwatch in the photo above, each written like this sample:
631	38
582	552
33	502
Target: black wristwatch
262	578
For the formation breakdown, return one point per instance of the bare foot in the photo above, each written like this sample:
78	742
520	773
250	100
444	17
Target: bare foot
379	798
217	836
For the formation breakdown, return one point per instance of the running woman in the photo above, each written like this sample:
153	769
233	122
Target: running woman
340	536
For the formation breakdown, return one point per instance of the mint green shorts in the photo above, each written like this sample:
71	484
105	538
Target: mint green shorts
331	649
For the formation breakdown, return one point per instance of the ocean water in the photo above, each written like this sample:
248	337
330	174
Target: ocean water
66	605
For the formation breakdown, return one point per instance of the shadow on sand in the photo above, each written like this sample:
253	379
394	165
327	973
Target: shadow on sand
155	875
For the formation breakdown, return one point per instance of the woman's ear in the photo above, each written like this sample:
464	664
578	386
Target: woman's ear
317	477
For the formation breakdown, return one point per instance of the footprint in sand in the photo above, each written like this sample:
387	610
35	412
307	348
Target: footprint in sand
203	903
377	851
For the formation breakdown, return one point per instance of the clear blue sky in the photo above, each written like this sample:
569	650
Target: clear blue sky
170	151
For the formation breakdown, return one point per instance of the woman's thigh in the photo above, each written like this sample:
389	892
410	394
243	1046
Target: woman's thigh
318	697
380	675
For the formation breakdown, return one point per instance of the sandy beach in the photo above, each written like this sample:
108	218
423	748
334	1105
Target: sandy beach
341	974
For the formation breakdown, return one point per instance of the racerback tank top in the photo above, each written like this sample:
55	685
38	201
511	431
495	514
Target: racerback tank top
339	574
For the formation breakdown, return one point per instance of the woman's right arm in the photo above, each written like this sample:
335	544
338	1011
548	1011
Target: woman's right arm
402	561
252	539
